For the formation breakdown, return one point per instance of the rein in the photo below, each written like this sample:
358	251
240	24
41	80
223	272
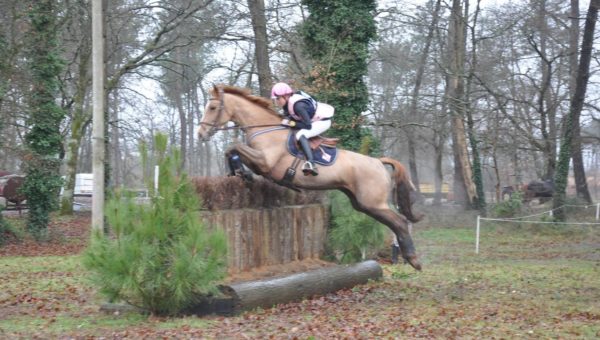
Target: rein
214	125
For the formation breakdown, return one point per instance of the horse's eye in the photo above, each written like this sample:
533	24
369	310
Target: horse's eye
212	107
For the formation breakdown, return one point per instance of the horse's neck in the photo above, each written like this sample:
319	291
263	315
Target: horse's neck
250	114
257	121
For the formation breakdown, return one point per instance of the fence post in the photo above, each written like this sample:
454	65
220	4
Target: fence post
156	172
477	234
597	211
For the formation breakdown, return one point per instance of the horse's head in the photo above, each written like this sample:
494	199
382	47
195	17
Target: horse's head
215	114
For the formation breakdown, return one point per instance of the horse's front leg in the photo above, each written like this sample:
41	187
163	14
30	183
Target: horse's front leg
252	158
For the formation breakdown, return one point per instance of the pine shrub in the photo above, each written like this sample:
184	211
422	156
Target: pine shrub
158	256
354	235
5	228
511	207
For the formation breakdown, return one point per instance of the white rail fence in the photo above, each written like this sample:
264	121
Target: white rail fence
520	220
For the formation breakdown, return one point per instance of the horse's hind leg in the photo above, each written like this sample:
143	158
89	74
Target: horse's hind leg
379	210
399	225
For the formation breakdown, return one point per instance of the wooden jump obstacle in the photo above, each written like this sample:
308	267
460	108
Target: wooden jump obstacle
281	229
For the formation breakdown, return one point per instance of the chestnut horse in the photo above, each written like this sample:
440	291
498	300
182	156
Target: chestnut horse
364	179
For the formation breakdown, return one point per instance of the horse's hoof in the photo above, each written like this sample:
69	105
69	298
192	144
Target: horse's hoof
414	262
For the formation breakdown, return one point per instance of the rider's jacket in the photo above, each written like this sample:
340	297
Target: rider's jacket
304	108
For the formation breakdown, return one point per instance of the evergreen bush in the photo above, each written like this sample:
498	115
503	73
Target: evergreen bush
5	228
159	256
511	207
354	236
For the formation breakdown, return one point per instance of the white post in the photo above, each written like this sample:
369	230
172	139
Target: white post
477	235
597	211
156	169
97	116
551	213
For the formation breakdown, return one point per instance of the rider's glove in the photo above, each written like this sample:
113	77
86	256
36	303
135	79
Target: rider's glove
303	125
288	122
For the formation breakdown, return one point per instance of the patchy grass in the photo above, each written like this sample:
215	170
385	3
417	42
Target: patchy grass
527	281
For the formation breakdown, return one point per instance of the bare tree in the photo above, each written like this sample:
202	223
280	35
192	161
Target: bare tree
583	75
261	43
581	186
464	189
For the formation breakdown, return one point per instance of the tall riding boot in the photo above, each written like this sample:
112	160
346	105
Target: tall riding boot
309	166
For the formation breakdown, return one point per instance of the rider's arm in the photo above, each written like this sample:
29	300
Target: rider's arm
301	108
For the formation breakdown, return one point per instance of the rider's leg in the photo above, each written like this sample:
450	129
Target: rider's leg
309	166
317	128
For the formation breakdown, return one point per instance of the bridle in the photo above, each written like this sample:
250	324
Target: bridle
214	126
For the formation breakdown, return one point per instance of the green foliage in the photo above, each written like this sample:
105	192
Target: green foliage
354	235
161	257
41	187
511	207
479	203
3	68
337	36
4	228
44	141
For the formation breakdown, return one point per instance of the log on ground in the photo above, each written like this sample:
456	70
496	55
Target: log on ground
269	292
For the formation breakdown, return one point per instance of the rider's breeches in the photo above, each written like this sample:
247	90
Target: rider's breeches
317	128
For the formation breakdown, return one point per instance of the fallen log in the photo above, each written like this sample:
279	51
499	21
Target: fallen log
266	293
269	292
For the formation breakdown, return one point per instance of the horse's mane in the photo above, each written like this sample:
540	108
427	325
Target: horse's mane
244	93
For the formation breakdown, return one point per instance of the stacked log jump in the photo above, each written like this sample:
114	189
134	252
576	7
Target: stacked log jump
269	226
275	236
282	227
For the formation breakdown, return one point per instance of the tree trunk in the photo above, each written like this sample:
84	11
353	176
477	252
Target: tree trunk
583	74
578	169
464	189
439	140
80	119
545	107
414	175
261	43
479	201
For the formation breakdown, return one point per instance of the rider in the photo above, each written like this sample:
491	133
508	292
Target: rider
305	113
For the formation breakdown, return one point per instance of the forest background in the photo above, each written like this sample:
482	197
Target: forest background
460	91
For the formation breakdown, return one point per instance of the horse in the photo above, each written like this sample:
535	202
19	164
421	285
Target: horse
544	190
365	180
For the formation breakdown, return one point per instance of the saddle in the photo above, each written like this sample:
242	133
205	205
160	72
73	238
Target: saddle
324	149
316	141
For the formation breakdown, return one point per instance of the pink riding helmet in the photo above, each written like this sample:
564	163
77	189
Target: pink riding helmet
280	89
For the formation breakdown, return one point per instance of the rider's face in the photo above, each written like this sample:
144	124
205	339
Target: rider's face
280	100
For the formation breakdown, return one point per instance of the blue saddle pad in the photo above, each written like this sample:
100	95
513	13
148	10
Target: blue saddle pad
324	155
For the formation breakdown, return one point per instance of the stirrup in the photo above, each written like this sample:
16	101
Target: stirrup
309	169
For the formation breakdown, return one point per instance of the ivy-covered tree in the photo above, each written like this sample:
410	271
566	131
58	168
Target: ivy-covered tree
44	141
3	78
582	79
336	35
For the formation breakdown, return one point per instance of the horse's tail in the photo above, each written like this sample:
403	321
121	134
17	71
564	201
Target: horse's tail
403	189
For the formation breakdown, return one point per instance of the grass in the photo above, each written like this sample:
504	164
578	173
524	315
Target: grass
527	282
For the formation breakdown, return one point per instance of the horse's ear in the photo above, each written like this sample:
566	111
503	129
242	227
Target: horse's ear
215	90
